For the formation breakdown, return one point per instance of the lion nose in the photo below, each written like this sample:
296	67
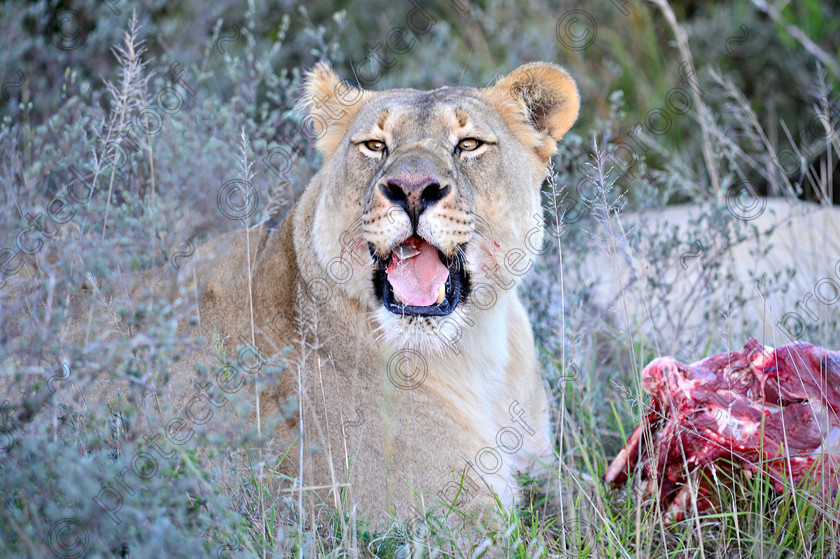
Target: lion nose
414	194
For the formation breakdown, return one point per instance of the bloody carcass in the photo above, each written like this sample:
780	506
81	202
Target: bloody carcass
764	410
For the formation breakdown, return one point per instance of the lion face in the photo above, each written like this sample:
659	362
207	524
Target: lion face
429	199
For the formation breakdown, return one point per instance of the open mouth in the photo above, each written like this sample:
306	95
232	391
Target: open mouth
416	279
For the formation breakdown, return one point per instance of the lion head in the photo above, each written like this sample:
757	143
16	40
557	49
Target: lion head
428	211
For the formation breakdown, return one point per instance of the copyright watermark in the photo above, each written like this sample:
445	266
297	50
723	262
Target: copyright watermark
743	201
68	538
407	369
67	30
237	199
576	30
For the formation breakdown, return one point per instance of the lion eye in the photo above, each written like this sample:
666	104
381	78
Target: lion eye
469	144
375	145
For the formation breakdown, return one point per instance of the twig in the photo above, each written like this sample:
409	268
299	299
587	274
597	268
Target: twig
814	49
685	51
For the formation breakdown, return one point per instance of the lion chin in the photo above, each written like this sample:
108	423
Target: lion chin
426	335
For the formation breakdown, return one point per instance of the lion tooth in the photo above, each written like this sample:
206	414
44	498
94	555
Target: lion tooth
406	251
441	294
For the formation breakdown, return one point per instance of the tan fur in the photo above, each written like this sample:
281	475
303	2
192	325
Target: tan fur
347	412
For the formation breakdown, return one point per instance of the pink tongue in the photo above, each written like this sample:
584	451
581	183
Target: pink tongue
417	280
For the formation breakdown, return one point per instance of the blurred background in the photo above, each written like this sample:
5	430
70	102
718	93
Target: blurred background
624	54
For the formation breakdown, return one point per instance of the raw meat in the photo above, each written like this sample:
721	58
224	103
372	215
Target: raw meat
775	411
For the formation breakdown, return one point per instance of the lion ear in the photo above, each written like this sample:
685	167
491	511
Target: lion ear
539	102
330	103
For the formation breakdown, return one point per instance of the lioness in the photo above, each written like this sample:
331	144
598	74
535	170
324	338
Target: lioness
390	291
